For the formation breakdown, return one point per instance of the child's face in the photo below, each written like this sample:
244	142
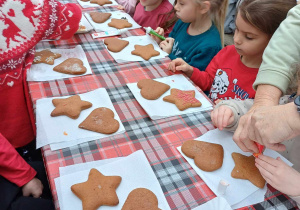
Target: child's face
186	10
248	40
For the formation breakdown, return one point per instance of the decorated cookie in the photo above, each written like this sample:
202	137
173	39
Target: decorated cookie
98	190
182	99
146	52
115	44
245	169
100	17
207	156
151	89
71	66
101	120
141	199
119	23
100	2
45	56
70	107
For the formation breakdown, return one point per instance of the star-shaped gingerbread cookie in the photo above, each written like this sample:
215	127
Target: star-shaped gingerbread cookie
182	99
97	191
70	107
245	169
145	52
45	56
119	23
100	2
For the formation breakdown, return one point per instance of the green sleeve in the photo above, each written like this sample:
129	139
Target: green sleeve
281	53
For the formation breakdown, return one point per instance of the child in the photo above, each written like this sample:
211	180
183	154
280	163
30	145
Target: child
195	37
232	71
127	5
23	24
155	13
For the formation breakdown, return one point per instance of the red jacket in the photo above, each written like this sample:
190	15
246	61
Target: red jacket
226	76
25	23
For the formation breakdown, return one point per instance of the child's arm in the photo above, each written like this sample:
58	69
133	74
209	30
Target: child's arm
127	5
280	176
227	113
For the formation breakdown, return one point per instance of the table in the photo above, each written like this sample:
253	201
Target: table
182	187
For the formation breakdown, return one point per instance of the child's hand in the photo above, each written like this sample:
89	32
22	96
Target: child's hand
161	32
167	45
34	187
120	7
180	65
278	174
222	117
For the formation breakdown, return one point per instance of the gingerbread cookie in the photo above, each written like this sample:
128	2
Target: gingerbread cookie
45	56
100	2
81	29
119	23
151	89
141	199
182	99
98	190
145	52
207	156
115	44
70	107
245	169
101	120
100	17
71	66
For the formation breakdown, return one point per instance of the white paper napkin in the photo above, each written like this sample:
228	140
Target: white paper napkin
63	131
44	72
126	56
239	189
87	4
135	171
218	203
157	109
86	23
117	15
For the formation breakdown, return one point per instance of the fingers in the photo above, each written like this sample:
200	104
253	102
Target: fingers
277	147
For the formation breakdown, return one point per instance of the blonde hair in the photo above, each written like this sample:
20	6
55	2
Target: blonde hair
218	9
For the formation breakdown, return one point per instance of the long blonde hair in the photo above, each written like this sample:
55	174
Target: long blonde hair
218	9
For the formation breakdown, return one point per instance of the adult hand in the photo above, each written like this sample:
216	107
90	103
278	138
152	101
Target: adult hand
180	65
167	45
34	187
270	126
161	32
279	175
222	117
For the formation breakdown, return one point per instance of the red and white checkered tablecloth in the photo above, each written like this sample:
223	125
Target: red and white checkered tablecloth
183	188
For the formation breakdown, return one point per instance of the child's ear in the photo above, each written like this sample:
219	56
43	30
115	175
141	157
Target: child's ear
205	7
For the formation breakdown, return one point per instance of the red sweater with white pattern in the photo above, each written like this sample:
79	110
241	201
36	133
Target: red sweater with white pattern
23	24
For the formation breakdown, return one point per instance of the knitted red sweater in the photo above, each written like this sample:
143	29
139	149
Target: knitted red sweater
23	23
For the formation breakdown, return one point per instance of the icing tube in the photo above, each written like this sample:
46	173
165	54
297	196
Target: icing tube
151	31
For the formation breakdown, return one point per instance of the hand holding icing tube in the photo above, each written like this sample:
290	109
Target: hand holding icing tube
260	149
149	30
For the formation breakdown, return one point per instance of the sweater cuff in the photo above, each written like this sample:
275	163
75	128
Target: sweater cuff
281	81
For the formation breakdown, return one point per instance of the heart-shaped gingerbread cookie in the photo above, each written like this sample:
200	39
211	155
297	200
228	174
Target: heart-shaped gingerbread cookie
151	89
145	52
115	44
207	156
141	199
101	120
71	66
119	23
100	17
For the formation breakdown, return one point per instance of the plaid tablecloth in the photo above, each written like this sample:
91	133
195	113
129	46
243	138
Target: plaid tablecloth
183	188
